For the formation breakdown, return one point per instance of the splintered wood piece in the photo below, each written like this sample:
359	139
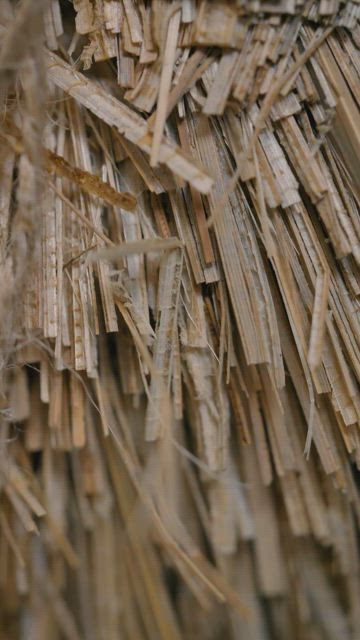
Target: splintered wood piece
168	304
86	180
197	203
117	114
164	88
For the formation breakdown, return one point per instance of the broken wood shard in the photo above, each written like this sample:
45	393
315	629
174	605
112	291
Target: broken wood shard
118	115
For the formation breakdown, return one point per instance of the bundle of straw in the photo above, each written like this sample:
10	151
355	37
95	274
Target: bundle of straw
180	319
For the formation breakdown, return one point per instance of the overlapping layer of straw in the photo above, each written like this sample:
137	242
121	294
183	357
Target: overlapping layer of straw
180	320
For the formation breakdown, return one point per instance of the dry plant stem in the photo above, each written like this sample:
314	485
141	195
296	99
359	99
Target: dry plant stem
88	182
81	216
192	562
118	115
11	540
266	106
194	69
139	246
165	82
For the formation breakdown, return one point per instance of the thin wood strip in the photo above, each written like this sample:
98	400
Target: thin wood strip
116	114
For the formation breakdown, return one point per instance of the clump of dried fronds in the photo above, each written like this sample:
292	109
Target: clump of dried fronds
180	328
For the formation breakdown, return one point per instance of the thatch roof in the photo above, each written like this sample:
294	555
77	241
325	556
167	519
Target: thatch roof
180	319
